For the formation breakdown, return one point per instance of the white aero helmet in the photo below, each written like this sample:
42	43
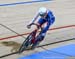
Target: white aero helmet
42	11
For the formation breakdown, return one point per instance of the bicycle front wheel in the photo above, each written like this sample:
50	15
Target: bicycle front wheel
25	44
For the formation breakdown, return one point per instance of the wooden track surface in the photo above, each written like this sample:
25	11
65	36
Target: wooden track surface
17	17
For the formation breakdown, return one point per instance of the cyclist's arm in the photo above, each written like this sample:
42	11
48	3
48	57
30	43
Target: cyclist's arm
34	18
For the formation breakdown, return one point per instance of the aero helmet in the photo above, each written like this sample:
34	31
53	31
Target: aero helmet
42	11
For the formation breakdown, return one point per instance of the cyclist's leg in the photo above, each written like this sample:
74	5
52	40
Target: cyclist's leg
39	37
33	35
40	23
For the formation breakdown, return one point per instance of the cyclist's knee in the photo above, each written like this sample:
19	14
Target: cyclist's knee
41	37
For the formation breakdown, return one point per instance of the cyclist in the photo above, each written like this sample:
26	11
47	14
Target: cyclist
46	16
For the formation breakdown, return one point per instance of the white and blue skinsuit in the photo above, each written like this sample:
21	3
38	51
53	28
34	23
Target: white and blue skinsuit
49	19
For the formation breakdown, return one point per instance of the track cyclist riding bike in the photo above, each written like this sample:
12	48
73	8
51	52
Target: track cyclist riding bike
46	16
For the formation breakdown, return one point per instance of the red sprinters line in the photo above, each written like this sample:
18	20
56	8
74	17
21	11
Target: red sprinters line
28	33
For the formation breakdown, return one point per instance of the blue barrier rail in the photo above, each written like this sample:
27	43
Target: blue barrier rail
28	2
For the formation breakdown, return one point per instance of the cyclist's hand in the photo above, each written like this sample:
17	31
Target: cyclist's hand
28	26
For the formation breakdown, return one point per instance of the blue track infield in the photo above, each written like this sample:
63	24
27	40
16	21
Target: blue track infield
28	2
64	52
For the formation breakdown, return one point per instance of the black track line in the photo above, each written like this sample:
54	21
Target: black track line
12	30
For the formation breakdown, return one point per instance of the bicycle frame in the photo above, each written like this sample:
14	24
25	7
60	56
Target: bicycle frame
29	40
